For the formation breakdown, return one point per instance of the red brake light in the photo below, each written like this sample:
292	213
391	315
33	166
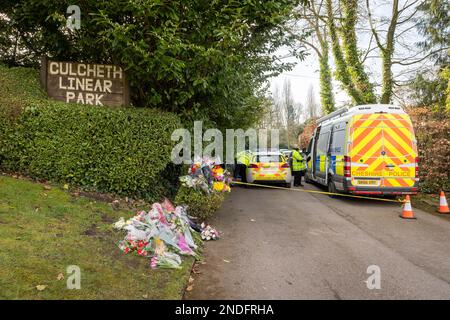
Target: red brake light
347	167
253	166
285	165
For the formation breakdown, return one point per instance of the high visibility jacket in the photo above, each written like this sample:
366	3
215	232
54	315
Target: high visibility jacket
243	158
298	163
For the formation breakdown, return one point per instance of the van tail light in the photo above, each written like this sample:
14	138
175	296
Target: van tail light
285	165
253	166
417	167
347	167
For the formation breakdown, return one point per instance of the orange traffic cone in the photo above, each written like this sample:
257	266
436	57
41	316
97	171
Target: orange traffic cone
443	205
407	210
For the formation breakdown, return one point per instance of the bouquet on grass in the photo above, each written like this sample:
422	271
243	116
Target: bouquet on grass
161	235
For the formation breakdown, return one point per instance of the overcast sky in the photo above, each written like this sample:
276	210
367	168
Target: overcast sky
305	74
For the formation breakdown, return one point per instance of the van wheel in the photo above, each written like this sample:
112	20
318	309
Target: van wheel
288	185
332	189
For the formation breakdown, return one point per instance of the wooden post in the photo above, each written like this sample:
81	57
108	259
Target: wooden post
44	66
126	91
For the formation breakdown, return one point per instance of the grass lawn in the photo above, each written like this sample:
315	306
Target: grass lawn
428	202
43	231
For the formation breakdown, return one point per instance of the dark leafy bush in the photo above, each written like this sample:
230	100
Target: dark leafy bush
125	151
200	205
181	56
307	133
432	133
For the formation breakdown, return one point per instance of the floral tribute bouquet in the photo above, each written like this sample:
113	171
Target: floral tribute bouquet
161	235
209	233
208	176
166	232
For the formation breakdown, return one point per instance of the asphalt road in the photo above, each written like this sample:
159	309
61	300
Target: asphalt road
280	244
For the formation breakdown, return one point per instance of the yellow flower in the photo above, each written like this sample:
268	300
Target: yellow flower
218	186
218	171
160	247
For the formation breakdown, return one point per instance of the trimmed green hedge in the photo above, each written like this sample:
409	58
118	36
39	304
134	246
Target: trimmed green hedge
199	204
125	151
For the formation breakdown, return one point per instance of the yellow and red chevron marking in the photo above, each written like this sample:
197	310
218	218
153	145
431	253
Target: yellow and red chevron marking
277	172
398	182
370	135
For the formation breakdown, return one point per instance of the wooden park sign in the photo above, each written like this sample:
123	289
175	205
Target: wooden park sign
94	84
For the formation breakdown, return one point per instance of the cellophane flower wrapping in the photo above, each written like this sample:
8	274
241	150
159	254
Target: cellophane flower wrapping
165	232
161	235
208	176
209	233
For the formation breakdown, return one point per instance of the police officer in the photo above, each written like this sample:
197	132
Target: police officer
242	161
298	166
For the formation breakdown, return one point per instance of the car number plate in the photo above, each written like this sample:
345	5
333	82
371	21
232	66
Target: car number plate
366	182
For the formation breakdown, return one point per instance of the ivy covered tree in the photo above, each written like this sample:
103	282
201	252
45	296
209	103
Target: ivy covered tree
349	68
351	52
431	88
373	49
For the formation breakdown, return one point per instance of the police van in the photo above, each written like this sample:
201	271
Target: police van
366	149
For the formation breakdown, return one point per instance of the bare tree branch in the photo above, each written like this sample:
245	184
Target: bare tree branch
369	49
421	59
406	6
409	17
372	28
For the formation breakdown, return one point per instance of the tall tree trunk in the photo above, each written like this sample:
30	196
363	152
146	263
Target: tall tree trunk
317	23
342	72
387	81
387	53
349	43
326	86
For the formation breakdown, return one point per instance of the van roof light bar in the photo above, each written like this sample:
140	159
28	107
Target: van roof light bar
332	115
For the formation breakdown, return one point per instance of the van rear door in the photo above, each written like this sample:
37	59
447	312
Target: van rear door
399	151
382	150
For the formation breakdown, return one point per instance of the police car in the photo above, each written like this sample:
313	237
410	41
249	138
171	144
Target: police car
269	167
